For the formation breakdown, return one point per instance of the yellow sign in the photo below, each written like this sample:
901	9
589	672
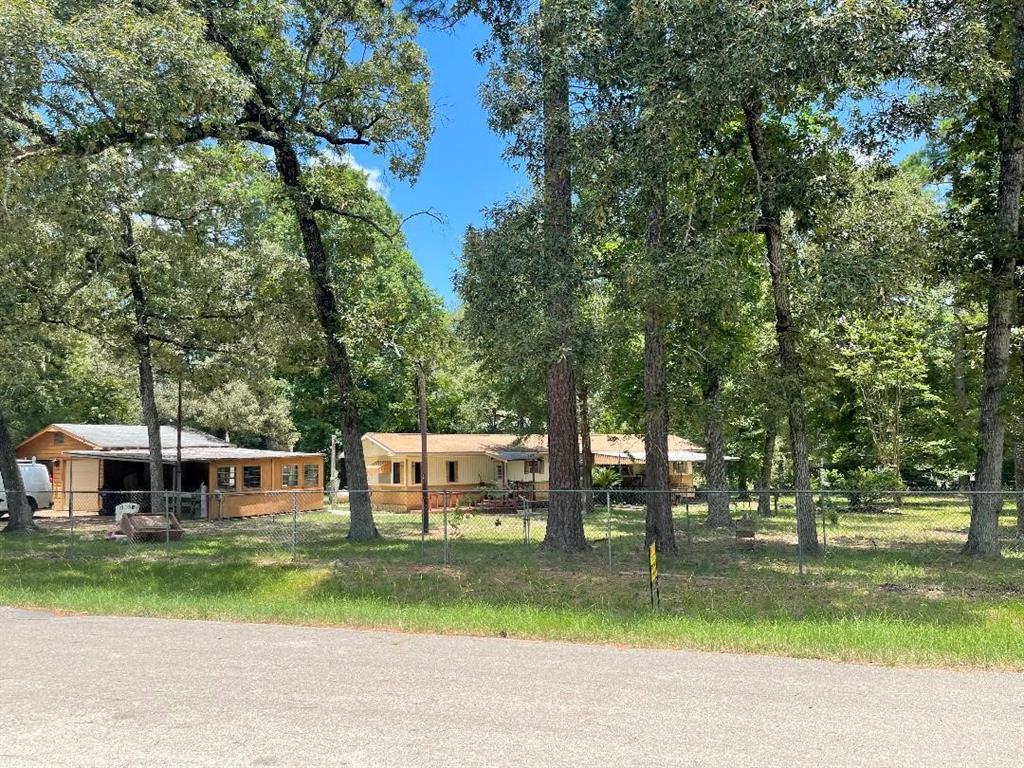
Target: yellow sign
653	553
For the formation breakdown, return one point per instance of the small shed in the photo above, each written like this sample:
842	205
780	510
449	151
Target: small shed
91	464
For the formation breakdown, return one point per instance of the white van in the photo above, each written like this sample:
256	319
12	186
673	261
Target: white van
38	486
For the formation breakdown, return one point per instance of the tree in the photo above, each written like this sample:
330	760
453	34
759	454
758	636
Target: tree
1005	106
82	77
324	78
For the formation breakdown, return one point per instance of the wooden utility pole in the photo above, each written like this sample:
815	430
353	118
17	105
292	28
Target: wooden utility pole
177	466
421	397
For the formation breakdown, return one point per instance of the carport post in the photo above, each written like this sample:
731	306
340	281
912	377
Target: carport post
295	515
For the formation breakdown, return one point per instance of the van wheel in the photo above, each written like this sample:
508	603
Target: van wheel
33	506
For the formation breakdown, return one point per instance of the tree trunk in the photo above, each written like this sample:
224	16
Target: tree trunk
714	466
18	509
659	528
565	519
983	536
770	225
361	525
764	501
142	344
587	453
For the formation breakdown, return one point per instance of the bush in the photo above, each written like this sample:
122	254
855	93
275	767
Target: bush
873	490
605	478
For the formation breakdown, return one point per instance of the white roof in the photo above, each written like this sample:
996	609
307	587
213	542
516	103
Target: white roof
222	452
111	436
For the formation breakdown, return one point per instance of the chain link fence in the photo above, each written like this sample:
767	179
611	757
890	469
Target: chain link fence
481	526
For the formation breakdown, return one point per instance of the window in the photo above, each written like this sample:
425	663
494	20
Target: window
252	477
290	475
452	471
534	467
226	478
499	471
396	473
311	474
58	438
417	473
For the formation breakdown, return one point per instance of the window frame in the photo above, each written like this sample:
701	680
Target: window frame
246	476
306	475
286	476
396	473
417	472
232	470
451	470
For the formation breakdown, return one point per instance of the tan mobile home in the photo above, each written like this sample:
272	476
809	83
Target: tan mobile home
462	464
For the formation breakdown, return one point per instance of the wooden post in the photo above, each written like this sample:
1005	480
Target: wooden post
177	466
421	392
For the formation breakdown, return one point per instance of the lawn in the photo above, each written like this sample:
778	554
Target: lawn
890	588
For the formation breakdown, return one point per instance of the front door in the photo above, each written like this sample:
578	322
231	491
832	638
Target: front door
82	479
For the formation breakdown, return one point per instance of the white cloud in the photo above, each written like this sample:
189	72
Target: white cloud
374	176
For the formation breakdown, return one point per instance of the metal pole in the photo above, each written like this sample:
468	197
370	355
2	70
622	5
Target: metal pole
824	534
334	467
295	516
446	527
526	523
689	537
799	538
71	495
71	488
608	516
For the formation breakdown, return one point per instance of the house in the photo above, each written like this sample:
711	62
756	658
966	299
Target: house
463	463
93	465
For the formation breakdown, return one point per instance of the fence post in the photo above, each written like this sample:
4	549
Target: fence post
525	522
167	521
824	533
689	537
607	515
71	542
799	538
446	527
295	517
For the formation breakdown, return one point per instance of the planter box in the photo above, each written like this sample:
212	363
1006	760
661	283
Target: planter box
139	527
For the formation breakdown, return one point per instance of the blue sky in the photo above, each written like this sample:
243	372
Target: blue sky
464	171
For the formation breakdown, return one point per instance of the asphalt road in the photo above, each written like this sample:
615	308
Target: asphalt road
107	692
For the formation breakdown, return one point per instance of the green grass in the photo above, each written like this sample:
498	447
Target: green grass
890	589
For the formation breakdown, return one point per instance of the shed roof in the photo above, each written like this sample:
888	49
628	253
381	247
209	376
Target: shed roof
113	436
222	452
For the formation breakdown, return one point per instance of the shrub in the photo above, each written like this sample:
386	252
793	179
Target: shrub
605	477
873	490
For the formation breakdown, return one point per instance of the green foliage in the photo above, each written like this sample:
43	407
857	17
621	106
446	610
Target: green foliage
606	478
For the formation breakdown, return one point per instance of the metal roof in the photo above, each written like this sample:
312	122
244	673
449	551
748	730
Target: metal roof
222	452
113	436
502	455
